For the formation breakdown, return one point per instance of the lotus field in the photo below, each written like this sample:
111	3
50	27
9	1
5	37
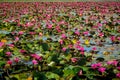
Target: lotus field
60	41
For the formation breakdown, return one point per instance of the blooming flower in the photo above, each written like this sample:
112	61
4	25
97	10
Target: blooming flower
61	41
99	64
118	38
61	22
22	51
78	42
1	44
16	39
118	75
81	48
101	34
93	66
64	49
118	67
70	46
49	26
96	65
101	69
87	42
114	62
16	59
20	32
34	62
9	62
77	32
58	30
80	73
112	38
8	53
86	32
53	20
74	60
11	45
99	24
32	33
57	27
63	36
94	48
29	24
36	56
109	62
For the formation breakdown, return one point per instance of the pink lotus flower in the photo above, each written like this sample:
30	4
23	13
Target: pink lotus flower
81	48
49	26
48	16
16	39
86	32
109	62
1	44
11	45
112	38
53	20
29	24
36	56
32	33
77	32
74	60
34	62
58	30
101	69
95	27
20	32
78	42
70	46
118	67
80	73
94	48
114	62
97	65
99	24
57	27
62	22
63	36
16	60
64	49
101	34
8	53
93	66
22	51
118	75
36	4
9	62
118	38
61	41
77	46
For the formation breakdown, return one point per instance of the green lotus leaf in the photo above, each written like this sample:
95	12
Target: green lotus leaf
45	46
51	75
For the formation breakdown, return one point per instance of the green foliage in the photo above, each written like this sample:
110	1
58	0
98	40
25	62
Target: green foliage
39	75
45	46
